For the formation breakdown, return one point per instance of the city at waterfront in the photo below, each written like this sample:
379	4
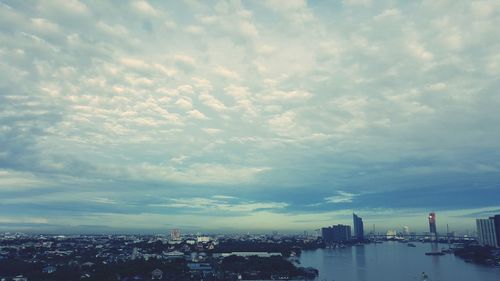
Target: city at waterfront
393	260
236	140
232	257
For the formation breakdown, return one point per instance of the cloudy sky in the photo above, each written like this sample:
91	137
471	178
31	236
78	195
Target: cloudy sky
247	115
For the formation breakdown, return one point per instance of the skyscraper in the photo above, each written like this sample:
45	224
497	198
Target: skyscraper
406	230
358	227
327	234
391	234
486	232
337	233
432	224
496	220
341	233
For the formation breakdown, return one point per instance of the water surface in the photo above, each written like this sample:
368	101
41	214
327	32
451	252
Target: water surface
393	261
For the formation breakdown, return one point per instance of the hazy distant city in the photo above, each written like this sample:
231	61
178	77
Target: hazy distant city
188	140
178	256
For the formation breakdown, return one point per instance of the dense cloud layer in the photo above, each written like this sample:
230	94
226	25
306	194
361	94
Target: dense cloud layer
247	115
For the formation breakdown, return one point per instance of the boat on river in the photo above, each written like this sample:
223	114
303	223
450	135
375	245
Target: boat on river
447	251
438	253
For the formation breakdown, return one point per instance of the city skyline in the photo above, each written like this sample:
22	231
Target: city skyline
236	116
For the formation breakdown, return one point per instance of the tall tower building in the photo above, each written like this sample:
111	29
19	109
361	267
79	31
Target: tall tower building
432	224
341	233
496	220
486	232
358	227
327	234
406	230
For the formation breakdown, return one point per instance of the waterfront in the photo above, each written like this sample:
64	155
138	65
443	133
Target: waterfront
393	261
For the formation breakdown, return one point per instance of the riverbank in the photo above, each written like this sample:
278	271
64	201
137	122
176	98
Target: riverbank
480	255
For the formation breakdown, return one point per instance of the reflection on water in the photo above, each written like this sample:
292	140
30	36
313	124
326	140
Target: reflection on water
359	253
393	261
434	247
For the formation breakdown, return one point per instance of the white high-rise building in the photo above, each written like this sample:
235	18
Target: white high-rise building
486	232
391	234
406	230
175	234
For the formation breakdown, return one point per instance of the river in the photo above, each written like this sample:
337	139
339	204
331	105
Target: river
393	261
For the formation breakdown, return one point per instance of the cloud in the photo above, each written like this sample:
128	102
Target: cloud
170	24
113	30
44	25
103	200
70	7
420	52
295	11
279	95
185	62
212	131
144	8
13	180
437	86
184	103
194	29
180	159
389	13
25	220
212	102
286	124
371	101
225	197
135	63
196	114
364	3
220	203
198	173
341	197
226	73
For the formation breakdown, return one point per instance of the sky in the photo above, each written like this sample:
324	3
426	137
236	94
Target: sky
228	116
